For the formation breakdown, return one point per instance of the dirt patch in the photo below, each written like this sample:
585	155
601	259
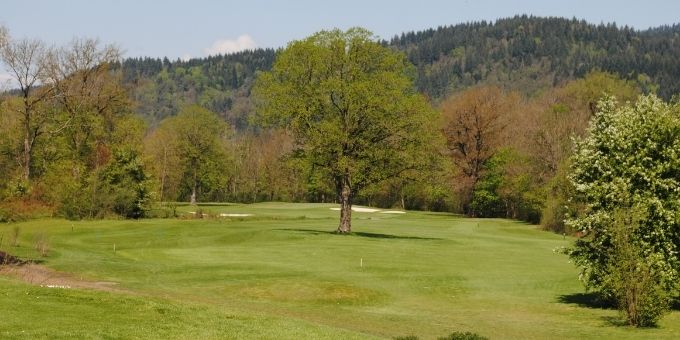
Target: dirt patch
45	277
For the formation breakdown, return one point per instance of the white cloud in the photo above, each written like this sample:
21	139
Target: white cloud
186	57
223	46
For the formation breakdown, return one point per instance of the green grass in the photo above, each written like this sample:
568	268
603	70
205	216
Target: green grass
281	274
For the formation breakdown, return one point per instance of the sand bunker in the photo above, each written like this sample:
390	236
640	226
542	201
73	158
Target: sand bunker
392	212
359	209
235	215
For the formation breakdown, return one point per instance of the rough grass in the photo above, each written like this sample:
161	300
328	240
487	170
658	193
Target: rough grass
282	273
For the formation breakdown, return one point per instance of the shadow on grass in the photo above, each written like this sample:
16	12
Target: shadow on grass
360	234
588	300
443	214
592	300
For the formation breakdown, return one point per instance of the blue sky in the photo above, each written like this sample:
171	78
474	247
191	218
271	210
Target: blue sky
180	29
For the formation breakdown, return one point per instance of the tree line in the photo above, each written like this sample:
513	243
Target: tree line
72	127
523	53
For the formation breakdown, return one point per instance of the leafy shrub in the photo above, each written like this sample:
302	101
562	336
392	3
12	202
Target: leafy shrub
634	282
463	336
14	210
625	173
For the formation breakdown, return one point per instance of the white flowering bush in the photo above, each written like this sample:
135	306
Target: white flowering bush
629	161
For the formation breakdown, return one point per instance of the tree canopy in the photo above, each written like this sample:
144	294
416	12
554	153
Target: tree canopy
352	107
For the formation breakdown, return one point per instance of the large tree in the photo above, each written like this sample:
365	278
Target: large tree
25	60
91	96
352	107
192	142
474	126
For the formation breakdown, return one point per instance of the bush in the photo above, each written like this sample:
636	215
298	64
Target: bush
15	210
625	173
634	282
463	336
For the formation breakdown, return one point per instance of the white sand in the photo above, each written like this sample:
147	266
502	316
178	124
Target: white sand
235	215
56	286
392	212
359	209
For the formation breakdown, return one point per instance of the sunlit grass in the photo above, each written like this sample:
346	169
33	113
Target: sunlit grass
282	272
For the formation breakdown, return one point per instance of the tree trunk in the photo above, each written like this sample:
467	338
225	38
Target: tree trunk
27	157
345	226
193	191
27	139
164	171
192	200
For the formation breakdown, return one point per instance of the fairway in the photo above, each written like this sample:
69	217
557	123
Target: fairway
275	270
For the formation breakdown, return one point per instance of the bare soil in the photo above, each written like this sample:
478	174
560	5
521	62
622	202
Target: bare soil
36	274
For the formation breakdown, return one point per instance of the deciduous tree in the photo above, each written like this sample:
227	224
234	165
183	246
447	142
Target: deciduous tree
351	105
474	123
198	137
26	62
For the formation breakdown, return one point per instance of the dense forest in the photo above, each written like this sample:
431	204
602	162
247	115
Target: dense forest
527	54
134	132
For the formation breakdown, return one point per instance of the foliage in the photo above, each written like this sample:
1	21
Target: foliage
486	201
351	106
634	282
530	53
219	83
474	126
525	53
558	203
551	70
550	123
463	336
507	189
127	184
629	160
189	154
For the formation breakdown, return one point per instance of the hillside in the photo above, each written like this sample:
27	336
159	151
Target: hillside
524	53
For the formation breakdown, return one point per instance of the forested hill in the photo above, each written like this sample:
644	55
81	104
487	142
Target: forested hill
525	53
219	83
533	52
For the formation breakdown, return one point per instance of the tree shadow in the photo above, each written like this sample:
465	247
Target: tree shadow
593	300
443	214
675	304
361	234
587	300
378	235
